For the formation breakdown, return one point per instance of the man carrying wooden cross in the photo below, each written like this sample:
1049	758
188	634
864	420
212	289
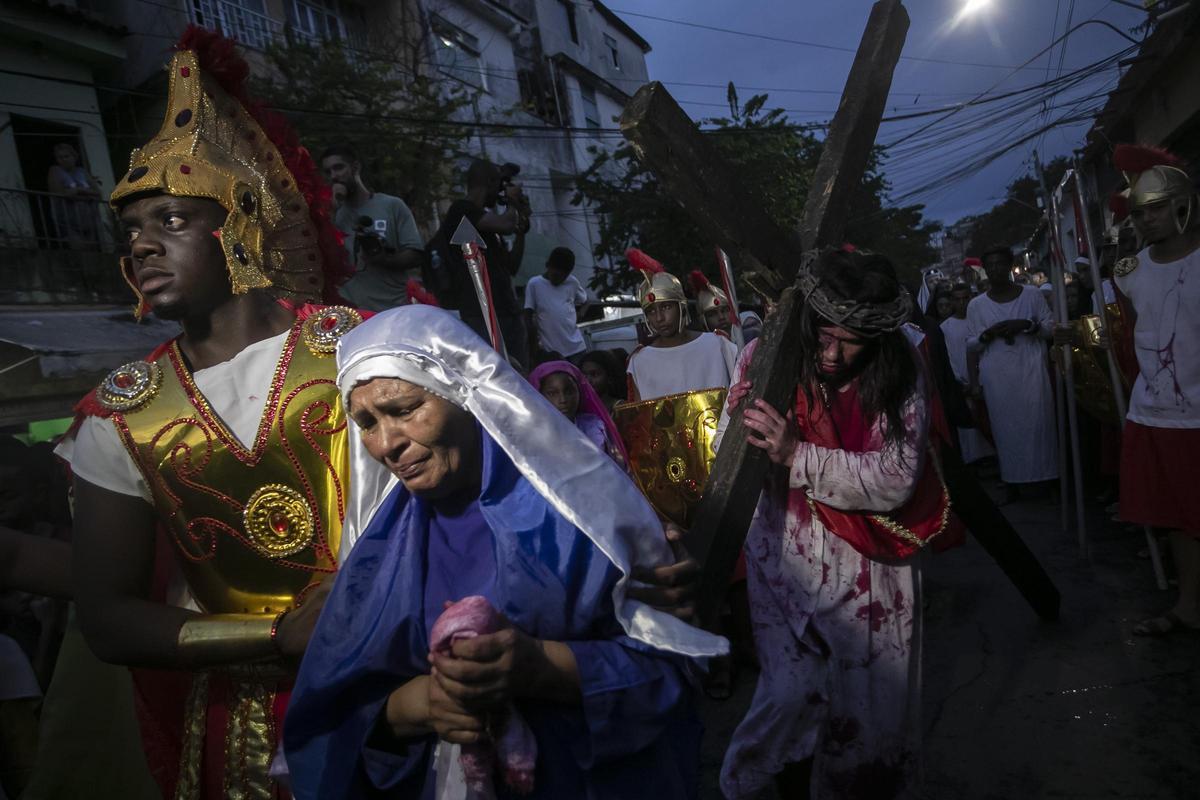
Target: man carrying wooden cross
855	493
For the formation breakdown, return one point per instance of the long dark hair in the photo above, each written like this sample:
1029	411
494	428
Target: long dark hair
613	373
887	371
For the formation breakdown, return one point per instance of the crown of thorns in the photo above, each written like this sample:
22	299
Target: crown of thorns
863	318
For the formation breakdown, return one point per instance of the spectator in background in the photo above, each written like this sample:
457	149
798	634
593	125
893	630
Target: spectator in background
1009	326
941	306
75	214
570	392
604	371
380	234
551	300
965	364
488	188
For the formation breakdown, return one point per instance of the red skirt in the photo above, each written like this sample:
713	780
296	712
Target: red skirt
1158	477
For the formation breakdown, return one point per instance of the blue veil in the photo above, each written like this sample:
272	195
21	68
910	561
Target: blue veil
543	486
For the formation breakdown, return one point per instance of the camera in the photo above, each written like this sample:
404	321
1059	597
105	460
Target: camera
367	240
507	173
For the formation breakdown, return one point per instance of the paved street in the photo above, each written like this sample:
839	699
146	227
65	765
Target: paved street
1017	708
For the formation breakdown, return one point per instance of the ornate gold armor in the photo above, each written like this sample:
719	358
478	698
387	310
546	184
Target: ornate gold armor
1089	362
670	444
256	526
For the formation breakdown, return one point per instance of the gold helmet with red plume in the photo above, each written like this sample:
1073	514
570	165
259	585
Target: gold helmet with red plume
708	297
217	143
1155	176
658	285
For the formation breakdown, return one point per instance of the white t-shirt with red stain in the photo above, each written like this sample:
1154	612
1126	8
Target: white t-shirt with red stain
1166	340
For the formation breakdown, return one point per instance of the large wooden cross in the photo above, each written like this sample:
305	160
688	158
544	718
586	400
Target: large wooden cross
687	165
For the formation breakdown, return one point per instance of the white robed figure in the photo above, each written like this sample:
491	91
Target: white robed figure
1010	326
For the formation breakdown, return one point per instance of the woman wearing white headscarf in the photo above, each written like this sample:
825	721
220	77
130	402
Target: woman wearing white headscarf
468	482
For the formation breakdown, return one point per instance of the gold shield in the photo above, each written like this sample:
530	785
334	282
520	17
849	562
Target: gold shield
670	444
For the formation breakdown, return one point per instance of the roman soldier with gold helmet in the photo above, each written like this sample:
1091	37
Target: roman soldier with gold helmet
712	304
1159	293
677	385
226	445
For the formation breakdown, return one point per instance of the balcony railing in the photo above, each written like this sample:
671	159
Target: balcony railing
257	30
231	18
58	250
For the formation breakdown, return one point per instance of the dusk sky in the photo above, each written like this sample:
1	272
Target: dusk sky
986	46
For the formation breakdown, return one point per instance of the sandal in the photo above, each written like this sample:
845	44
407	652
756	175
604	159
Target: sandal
1169	623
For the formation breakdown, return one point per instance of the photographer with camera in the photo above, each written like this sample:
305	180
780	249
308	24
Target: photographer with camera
381	234
497	207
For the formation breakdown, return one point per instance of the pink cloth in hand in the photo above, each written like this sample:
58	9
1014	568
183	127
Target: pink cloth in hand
515	745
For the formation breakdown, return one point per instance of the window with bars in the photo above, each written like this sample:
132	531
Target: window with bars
319	20
246	21
458	54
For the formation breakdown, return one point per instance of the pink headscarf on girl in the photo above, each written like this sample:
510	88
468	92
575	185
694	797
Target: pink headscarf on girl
589	401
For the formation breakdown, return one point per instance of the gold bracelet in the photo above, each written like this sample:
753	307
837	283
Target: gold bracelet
220	640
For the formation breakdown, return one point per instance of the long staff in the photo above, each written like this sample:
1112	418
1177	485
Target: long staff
1057	267
1114	372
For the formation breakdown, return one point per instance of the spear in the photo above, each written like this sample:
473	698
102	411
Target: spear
472	244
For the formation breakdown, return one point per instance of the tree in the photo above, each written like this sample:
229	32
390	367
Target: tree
775	156
1013	220
400	119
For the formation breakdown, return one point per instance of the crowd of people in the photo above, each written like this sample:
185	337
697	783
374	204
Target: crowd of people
331	542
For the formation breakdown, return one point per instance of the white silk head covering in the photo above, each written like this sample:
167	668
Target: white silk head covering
428	347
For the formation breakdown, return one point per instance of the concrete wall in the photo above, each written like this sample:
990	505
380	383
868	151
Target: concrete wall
1168	105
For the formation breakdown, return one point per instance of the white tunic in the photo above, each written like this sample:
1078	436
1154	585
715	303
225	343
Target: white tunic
706	362
971	442
1016	386
1166	340
236	391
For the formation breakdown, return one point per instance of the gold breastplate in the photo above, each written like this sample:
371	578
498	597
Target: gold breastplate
670	444
254	527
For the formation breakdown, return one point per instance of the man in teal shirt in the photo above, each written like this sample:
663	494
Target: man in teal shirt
381	234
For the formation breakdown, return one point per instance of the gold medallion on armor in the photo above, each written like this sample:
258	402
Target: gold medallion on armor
278	521
130	386
323	329
1125	266
670	444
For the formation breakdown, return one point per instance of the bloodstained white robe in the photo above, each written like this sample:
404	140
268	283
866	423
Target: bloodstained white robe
837	634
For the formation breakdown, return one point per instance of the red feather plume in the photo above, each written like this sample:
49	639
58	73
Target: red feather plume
642	262
698	280
219	58
1140	157
419	294
1118	203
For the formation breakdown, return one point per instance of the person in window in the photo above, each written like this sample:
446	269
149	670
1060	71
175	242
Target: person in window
74	211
